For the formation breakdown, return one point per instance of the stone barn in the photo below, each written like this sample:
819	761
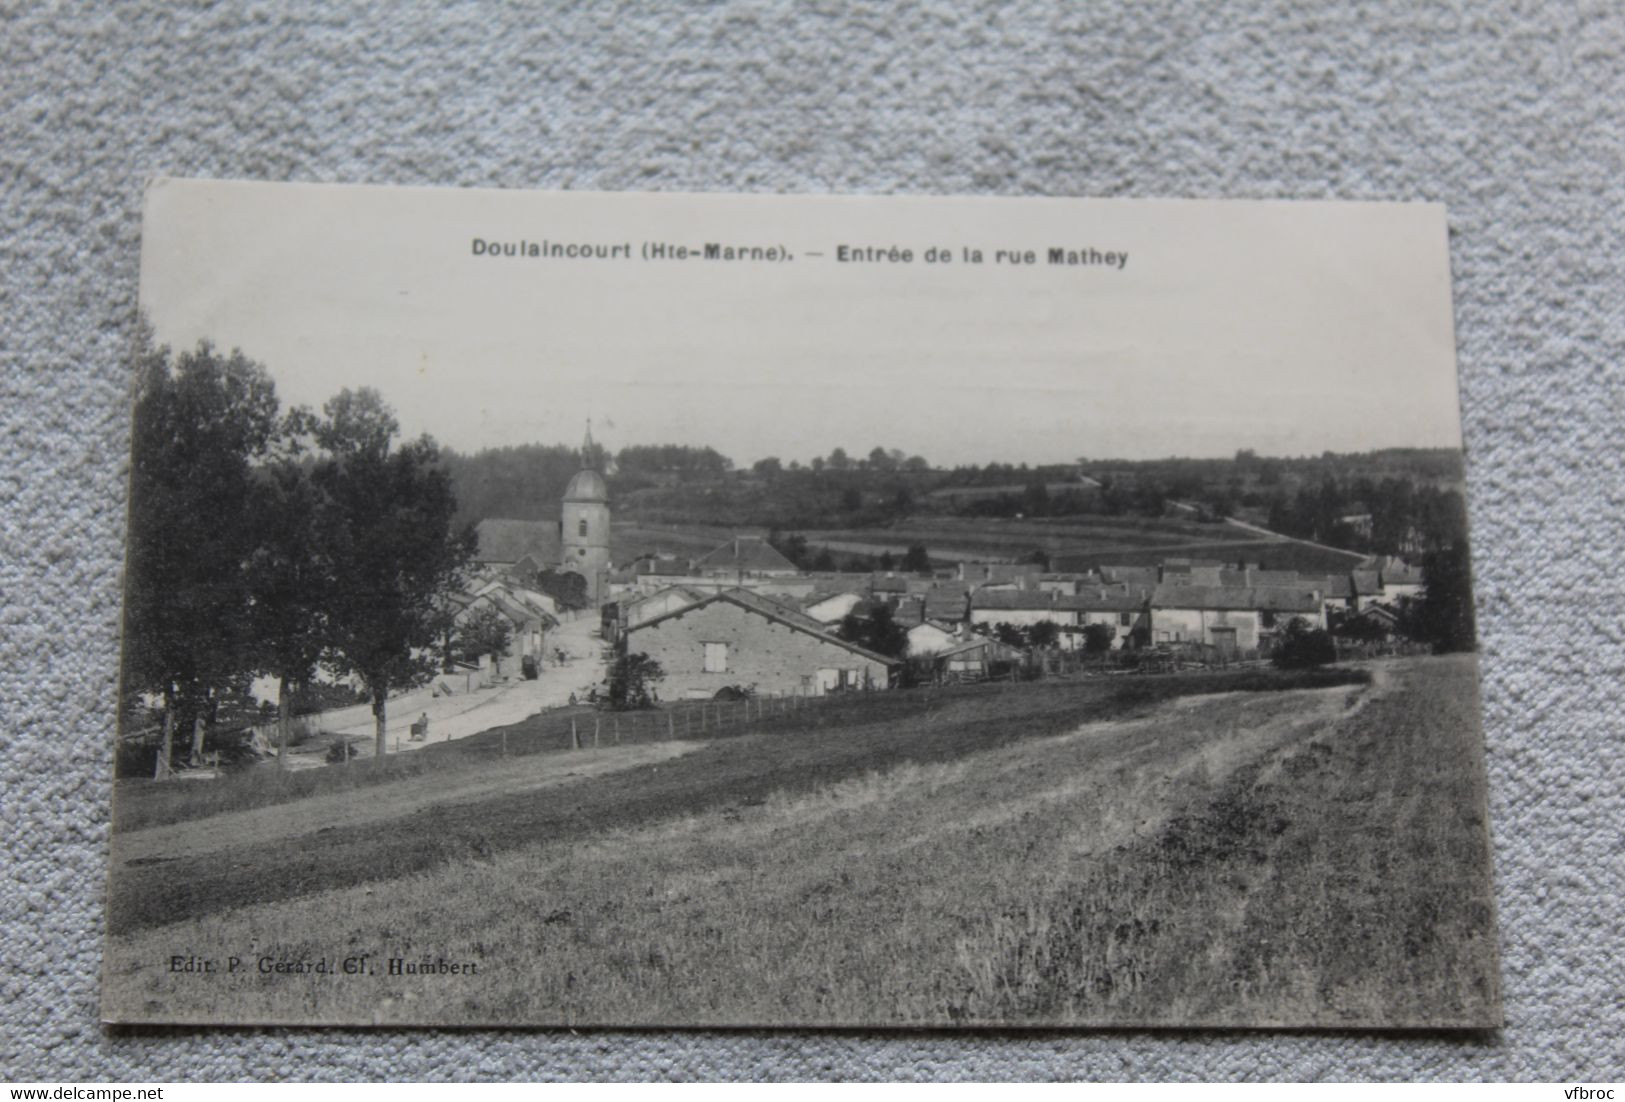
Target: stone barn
740	638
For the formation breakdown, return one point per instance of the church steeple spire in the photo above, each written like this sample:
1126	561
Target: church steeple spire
586	447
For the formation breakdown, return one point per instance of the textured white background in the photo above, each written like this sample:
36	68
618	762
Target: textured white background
1511	114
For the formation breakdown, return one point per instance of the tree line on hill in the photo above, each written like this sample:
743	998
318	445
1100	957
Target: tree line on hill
265	542
1396	501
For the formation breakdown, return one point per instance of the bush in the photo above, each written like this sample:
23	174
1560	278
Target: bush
1098	638
631	681
1301	647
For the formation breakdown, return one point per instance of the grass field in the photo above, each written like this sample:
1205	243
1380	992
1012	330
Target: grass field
1127	851
1124	541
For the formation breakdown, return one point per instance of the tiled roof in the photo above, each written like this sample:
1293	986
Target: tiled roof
1072	564
1333	587
750	554
1367	583
1236	598
945	604
1399	572
1133	575
1254	576
508	541
763	603
1013	599
909	611
1102	599
658	567
684	594
773	610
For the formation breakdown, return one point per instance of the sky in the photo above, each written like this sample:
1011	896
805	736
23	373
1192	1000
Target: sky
1287	327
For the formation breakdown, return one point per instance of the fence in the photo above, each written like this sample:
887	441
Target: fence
586	728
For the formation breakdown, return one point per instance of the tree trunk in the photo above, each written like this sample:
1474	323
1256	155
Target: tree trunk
284	720
197	739
160	768
378	747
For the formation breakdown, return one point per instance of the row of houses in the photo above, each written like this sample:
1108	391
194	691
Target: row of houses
743	615
709	635
529	614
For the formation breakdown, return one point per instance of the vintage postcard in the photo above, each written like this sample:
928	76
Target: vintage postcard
568	609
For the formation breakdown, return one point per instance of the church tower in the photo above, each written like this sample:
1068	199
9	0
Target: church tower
584	528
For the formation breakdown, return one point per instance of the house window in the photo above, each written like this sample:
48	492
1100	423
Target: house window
716	658
582	527
1125	619
1267	619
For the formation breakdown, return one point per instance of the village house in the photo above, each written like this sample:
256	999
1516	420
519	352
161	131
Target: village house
1336	591
1025	608
1379	619
1071	582
1231	619
1120	608
739	638
1256	576
1000	575
745	557
830	609
634	612
1398	579
928	635
654	568
529	617
1132	576
1189	572
1367	589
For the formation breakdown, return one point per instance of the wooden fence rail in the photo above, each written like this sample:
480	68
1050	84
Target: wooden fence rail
593	729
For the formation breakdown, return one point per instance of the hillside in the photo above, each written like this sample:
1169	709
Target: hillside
1059	854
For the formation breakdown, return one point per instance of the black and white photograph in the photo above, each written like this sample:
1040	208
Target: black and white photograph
683	610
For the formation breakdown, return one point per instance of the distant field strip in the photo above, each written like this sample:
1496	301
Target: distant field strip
1126	541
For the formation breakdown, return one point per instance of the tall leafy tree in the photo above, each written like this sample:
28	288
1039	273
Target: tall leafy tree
878	632
201	421
386	525
484	631
1446	617
289	573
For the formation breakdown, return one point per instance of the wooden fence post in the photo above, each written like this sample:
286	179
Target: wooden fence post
575	737
504	742
671	726
617	730
596	720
